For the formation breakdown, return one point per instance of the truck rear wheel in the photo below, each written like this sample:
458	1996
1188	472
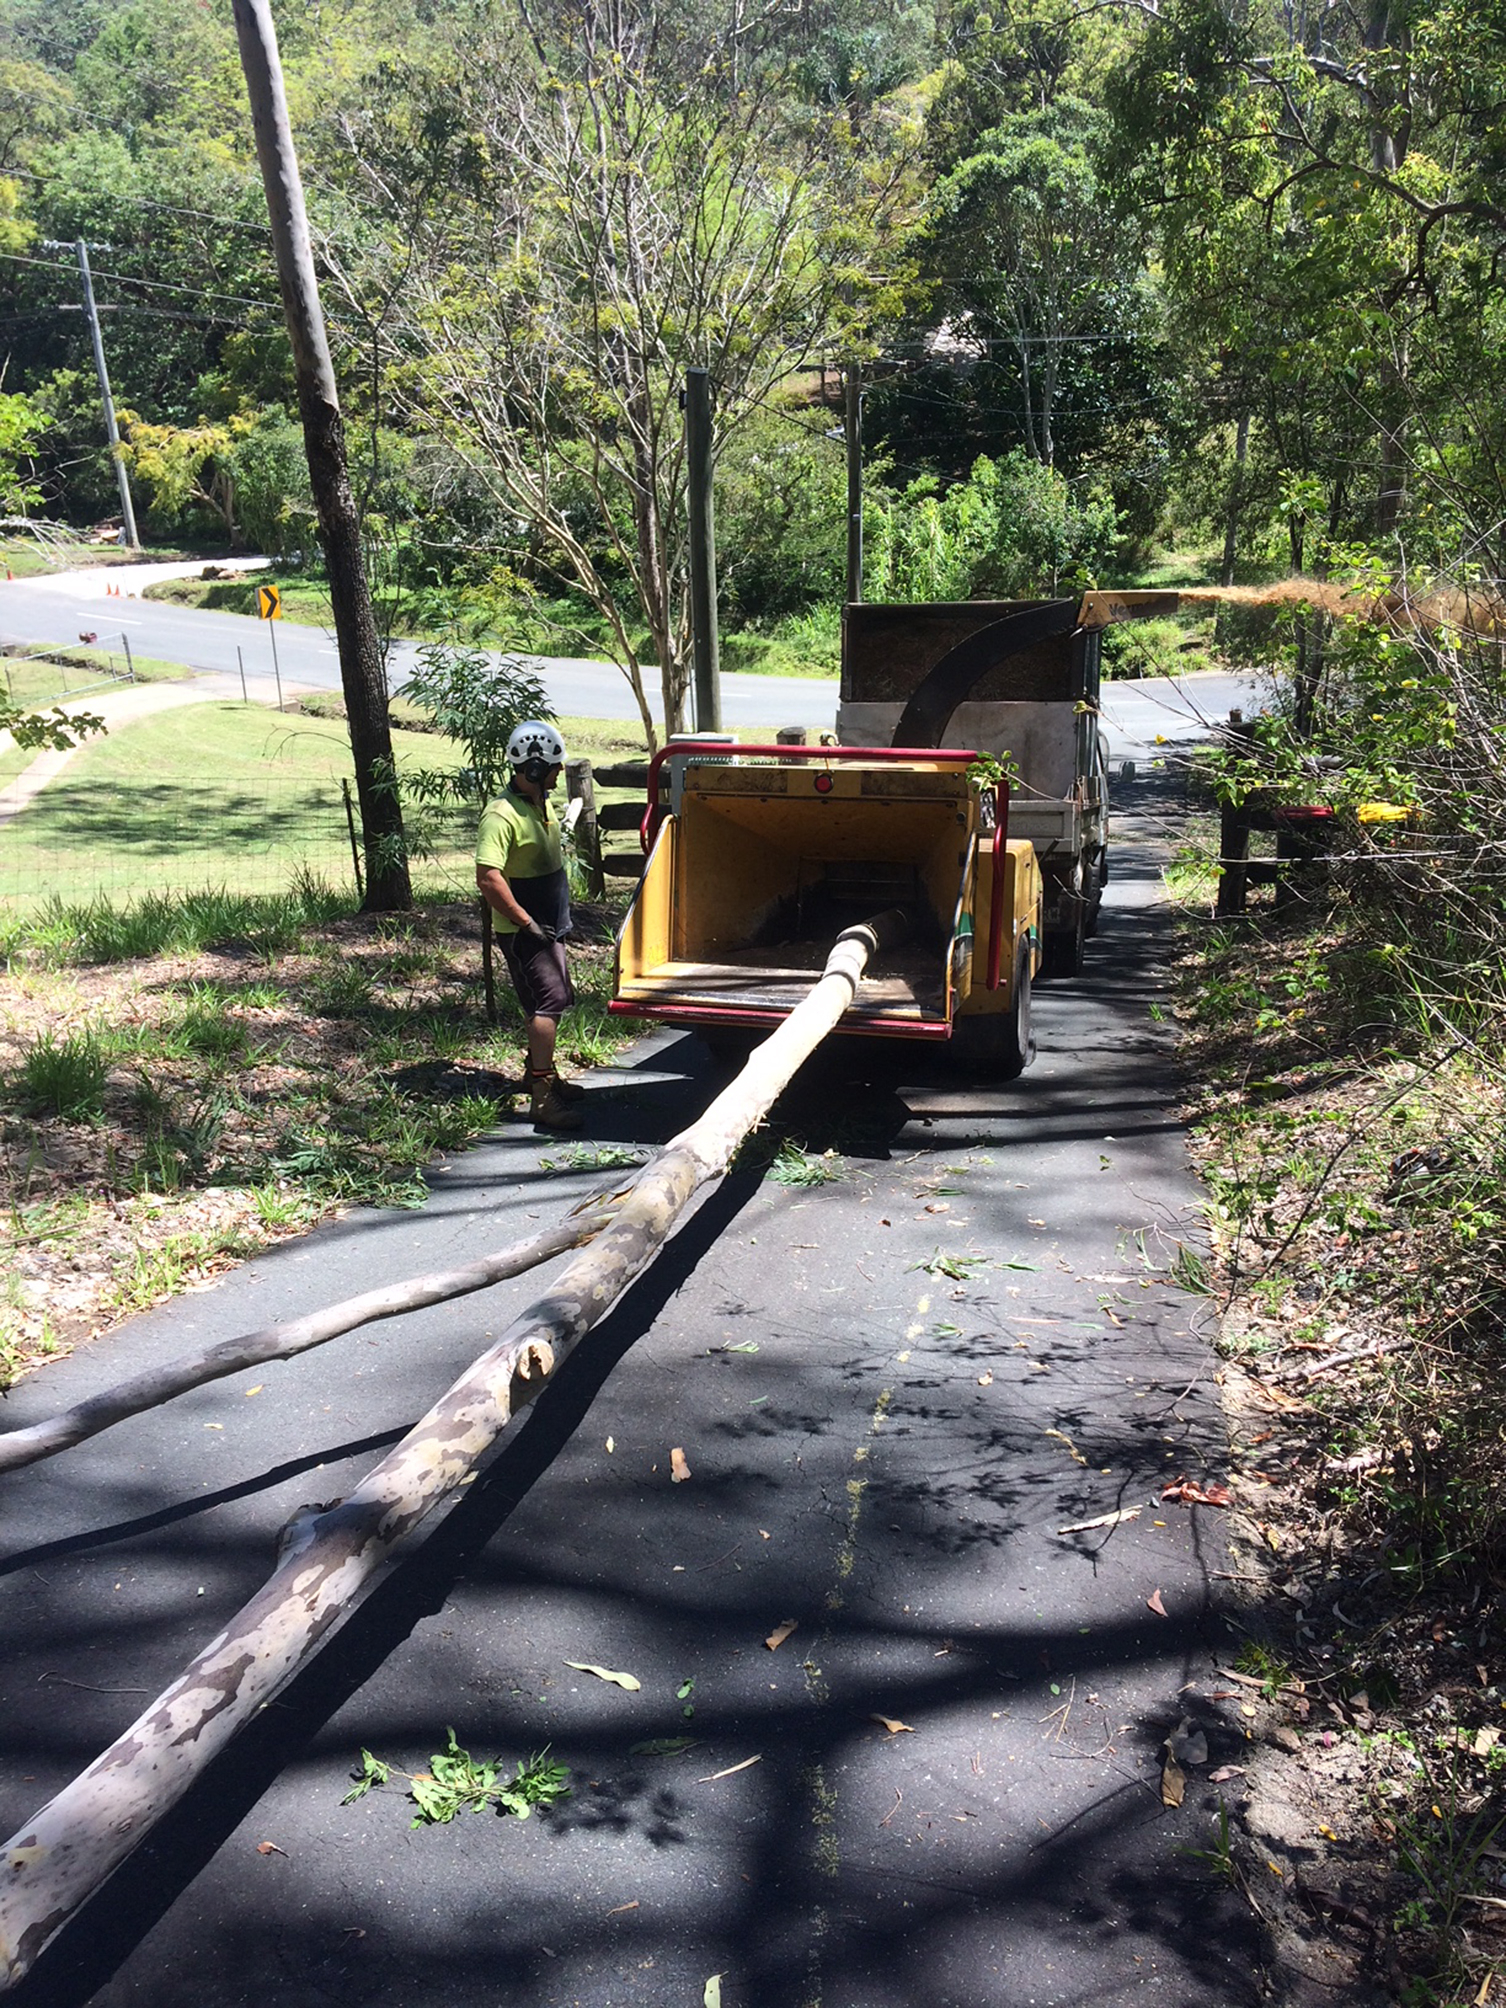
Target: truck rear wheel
1098	878
1000	1045
1064	946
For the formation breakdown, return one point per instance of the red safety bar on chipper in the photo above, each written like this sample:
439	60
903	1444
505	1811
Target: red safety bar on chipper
653	815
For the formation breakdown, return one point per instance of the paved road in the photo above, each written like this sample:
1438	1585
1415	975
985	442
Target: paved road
60	608
883	1454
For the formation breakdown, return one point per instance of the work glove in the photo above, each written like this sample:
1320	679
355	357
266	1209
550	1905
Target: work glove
539	931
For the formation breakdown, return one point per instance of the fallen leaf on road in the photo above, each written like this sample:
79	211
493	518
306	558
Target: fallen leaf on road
1173	1783
894	1727
255	1390
712	1997
1153	1603
780	1633
679	1470
271	1848
1188	1492
622	1907
731	1770
1224	1773
1103	1520
1077	1456
627	1680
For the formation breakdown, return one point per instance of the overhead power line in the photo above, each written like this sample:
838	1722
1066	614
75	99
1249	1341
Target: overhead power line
128	279
144	202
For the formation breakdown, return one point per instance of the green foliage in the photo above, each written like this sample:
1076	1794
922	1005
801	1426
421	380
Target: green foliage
803	1168
456	1783
1011	530
480	703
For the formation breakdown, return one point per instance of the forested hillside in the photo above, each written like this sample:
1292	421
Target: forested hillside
1205	280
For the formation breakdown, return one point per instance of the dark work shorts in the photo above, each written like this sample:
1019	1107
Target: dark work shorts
539	973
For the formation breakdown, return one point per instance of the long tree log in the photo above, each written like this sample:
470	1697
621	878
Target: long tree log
282	1342
62	1854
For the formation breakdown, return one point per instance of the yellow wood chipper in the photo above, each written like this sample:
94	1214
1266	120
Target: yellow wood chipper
759	855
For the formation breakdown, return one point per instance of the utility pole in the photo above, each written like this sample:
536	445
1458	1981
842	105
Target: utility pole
362	667
703	634
123	480
853	428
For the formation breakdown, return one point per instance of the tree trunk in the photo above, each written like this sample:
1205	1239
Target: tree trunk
62	1854
1236	496
282	1342
362	670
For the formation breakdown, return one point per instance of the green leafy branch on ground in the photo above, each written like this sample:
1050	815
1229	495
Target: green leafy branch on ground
456	1783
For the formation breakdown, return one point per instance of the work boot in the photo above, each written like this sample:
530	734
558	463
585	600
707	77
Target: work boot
548	1110
553	1079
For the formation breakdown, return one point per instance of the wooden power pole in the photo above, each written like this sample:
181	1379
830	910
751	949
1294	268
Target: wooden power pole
706	652
122	478
853	431
362	670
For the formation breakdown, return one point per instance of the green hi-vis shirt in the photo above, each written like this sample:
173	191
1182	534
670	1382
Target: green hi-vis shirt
524	844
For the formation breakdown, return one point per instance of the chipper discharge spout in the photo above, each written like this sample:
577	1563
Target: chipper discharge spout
757	855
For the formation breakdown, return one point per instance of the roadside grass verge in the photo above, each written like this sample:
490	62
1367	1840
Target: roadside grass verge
35	678
305	600
237	1071
1350	1126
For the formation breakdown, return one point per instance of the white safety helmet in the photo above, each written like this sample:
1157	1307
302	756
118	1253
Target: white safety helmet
535	739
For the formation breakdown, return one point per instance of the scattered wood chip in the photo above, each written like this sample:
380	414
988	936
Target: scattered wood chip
1224	1773
627	1680
271	1848
985	1379
893	1725
1153	1603
1103	1520
780	1633
1173	1783
611	1445
1188	1492
679	1470
617	1912
731	1770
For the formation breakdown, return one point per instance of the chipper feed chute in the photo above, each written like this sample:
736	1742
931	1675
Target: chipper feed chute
757	855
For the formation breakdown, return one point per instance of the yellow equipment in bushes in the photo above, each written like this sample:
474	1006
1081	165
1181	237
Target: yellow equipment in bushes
759	855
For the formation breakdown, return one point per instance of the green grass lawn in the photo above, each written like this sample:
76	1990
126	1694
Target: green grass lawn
220	794
227	795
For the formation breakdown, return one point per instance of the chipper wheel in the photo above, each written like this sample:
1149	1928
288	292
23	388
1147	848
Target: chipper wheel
999	1046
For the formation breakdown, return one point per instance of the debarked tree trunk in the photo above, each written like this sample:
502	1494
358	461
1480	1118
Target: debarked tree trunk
67	1849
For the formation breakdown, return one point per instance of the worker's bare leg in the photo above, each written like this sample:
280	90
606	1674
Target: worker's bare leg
542	1035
